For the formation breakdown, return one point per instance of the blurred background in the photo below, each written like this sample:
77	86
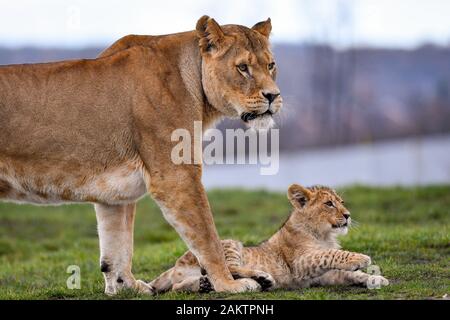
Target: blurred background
366	83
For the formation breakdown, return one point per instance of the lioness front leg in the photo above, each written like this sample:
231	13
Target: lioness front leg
183	201
115	230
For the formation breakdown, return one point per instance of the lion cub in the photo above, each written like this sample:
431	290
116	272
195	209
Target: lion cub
302	253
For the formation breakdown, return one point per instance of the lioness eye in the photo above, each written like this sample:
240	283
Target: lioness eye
243	67
329	203
271	65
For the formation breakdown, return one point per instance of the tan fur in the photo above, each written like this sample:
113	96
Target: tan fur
302	253
100	131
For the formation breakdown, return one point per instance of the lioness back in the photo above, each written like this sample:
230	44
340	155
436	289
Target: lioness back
67	132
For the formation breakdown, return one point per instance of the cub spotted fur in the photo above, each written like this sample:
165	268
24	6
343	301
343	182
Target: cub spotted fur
303	252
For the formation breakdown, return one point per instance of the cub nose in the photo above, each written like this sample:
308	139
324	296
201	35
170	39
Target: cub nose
270	96
346	215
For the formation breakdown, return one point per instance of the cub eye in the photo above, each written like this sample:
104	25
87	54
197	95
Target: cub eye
329	203
243	67
271	65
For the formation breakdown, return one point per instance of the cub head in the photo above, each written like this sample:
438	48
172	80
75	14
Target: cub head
322	208
239	70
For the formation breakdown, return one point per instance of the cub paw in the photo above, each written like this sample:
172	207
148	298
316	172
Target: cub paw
205	285
358	261
264	279
376	282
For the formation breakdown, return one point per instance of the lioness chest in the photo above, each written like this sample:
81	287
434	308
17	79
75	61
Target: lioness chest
123	183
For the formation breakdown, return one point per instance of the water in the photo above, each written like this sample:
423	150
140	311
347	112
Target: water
406	162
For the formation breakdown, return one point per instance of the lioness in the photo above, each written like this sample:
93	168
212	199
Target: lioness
303	252
100	130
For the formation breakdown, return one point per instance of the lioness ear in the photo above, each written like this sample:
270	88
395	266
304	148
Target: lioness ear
298	195
263	27
210	34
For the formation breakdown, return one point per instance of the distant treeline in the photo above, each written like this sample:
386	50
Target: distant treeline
338	96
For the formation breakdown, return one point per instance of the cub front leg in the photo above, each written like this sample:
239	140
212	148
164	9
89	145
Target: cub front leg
264	279
233	257
314	264
115	231
342	277
351	261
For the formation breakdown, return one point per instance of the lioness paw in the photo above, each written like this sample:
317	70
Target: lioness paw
143	287
139	286
238	286
250	285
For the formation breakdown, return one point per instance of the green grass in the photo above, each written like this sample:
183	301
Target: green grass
406	231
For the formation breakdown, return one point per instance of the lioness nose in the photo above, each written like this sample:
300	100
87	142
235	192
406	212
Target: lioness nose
270	96
346	215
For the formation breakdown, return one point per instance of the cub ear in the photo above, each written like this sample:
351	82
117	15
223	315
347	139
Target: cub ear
263	27
209	33
298	195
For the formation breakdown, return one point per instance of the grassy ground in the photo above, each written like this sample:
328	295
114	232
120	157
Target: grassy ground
406	231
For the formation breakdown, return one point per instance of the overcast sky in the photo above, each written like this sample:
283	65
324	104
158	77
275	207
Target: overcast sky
79	23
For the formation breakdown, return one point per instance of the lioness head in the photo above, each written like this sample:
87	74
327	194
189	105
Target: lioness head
239	70
321	206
